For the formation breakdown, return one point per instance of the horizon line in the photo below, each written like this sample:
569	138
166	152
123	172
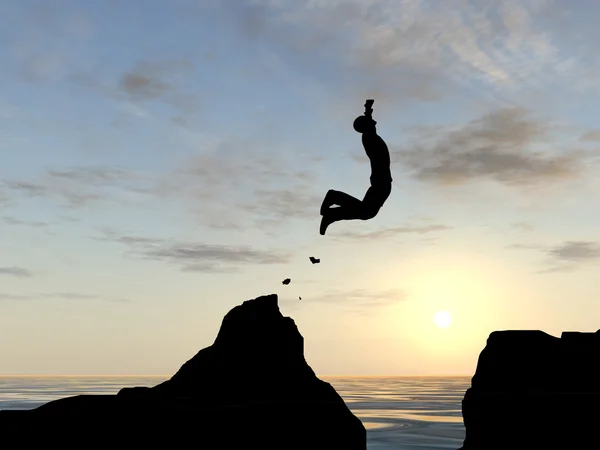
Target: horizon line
7	375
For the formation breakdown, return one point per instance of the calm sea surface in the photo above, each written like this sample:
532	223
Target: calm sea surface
399	413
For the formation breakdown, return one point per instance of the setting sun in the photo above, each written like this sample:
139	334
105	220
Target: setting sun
442	319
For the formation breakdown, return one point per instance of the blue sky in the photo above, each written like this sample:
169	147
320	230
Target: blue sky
161	162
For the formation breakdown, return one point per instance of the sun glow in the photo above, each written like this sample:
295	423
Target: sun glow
442	319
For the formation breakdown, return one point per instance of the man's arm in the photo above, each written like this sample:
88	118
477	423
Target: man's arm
369	109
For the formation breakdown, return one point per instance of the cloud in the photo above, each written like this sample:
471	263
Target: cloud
567	256
415	47
272	207
429	240
5	296
64	296
8	220
523	226
207	257
389	232
254	182
45	31
79	296
76	187
149	80
146	81
25	187
16	272
96	176
590	136
500	146
141	86
576	251
196	257
359	300
226	184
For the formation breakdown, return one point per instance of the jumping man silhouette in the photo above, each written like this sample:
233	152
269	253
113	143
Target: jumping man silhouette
351	208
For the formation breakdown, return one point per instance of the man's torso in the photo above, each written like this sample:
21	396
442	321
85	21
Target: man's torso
379	156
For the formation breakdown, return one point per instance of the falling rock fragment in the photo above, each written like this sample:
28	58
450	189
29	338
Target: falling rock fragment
286	281
314	260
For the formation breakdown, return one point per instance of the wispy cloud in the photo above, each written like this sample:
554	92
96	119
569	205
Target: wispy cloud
45	31
503	45
196	257
9	220
590	136
148	80
145	81
389	232
576	251
523	226
273	207
359	300
93	175
503	146
225	182
567	256
63	296
139	84
80	296
76	187
5	296
16	272
248	181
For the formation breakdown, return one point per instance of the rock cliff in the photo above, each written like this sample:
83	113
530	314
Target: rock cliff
252	388
532	390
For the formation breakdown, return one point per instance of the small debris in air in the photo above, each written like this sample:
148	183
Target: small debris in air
286	281
314	260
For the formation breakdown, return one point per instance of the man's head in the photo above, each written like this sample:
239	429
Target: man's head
363	124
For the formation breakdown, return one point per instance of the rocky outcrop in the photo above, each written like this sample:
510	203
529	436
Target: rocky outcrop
252	388
532	390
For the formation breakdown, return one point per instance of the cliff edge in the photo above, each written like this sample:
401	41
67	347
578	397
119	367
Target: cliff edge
533	390
252	388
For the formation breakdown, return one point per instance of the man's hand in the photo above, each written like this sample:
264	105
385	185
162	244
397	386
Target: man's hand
369	108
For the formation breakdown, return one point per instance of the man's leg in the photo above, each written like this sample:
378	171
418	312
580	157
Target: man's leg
376	196
360	212
355	209
338	198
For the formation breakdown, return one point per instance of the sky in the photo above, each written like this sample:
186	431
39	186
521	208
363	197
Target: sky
162	162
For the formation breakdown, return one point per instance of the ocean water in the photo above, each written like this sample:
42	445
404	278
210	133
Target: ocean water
400	413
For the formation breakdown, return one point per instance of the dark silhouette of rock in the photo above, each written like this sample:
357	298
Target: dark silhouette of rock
314	260
252	388
532	390
286	281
